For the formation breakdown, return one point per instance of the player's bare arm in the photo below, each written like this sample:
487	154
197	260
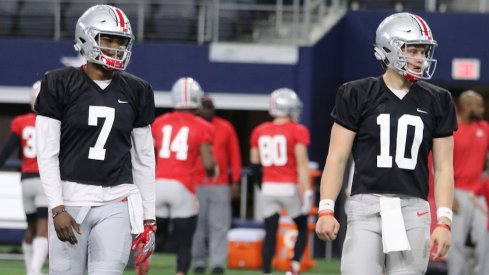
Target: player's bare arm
302	166
302	160
332	178
444	185
208	159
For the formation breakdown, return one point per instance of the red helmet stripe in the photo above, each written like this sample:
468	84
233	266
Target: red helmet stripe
424	26
121	17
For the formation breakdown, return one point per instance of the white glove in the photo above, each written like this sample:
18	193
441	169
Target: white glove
307	198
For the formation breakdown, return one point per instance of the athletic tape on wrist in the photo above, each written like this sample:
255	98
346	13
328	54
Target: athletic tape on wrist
444	212
326	204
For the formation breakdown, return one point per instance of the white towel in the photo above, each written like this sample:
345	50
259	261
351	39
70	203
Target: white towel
82	214
135	206
394	236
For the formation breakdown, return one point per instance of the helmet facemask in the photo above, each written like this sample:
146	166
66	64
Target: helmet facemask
98	54
415	67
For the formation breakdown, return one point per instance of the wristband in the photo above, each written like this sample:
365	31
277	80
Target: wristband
326	204
444	212
325	213
446	226
59	212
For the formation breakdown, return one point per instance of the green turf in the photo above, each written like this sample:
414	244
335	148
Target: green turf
164	264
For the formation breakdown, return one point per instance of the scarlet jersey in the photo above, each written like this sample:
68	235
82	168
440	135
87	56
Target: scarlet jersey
393	135
25	127
178	137
226	152
275	143
469	154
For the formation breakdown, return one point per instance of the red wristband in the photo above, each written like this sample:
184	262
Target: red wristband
446	226
325	213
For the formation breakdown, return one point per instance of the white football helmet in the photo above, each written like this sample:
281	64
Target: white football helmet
285	102
401	30
186	93
104	20
36	88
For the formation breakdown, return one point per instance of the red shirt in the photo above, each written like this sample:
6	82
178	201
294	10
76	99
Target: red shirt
275	143
178	137
226	152
25	127
483	190
469	154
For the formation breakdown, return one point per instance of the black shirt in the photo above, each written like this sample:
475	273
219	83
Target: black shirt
96	124
393	136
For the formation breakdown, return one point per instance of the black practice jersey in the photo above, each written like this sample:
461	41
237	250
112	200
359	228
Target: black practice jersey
393	136
96	124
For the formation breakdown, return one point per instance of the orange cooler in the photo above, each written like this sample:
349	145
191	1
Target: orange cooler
245	248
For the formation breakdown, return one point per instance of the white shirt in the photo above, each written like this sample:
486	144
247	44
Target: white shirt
58	192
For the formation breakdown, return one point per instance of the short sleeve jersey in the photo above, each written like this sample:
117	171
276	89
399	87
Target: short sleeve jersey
178	136
276	143
96	124
24	126
393	136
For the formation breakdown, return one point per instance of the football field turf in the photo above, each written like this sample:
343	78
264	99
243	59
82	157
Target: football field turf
164	264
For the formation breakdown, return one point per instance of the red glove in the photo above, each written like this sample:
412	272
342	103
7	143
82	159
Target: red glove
144	244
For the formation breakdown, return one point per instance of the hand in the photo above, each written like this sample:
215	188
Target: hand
144	244
440	242
235	190
327	228
307	198
64	225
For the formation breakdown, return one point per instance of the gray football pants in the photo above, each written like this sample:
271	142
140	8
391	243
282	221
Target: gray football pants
104	243
468	220
363	250
213	225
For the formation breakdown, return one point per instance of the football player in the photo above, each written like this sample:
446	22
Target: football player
280	148
95	151
214	219
390	124
23	135
180	138
470	153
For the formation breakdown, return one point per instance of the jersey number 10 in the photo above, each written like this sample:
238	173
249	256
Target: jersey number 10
384	160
